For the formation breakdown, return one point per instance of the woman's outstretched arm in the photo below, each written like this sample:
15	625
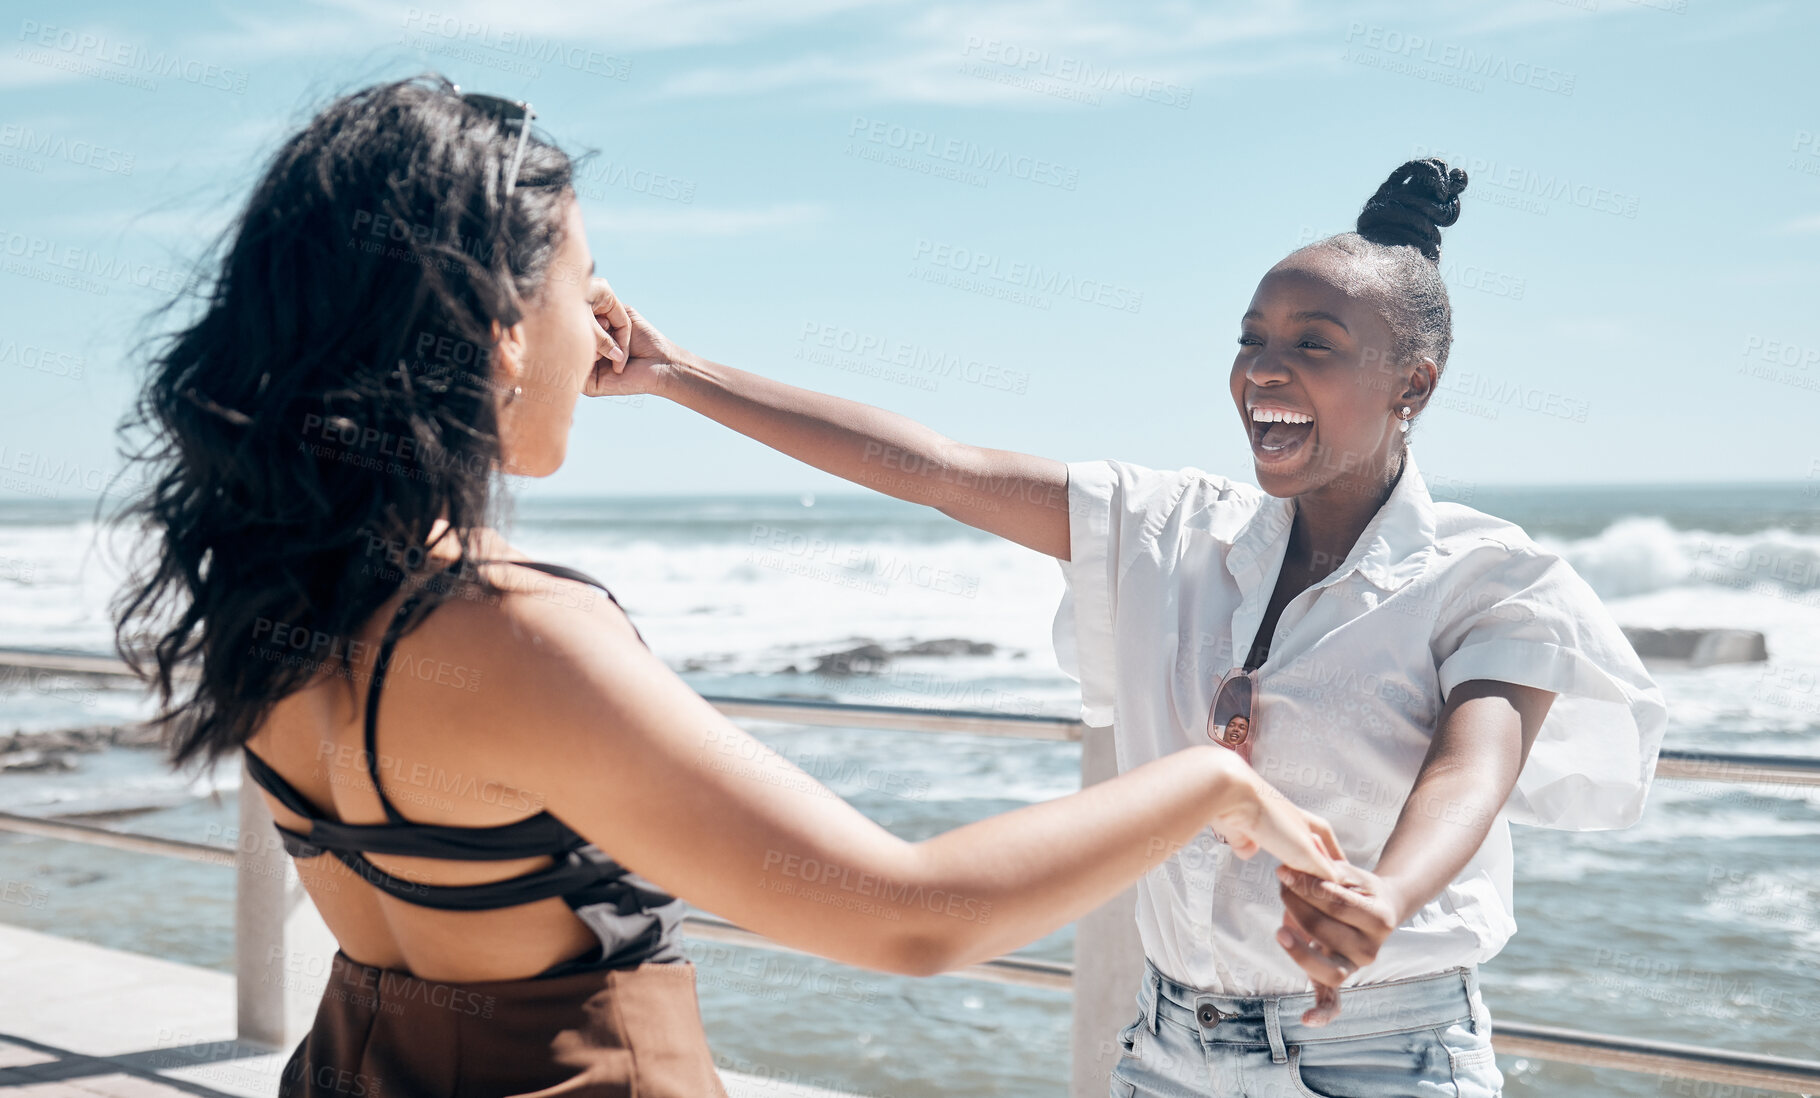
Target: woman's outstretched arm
618	747
1016	496
1481	742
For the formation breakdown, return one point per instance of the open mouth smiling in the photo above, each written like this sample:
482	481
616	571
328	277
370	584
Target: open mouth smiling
1278	432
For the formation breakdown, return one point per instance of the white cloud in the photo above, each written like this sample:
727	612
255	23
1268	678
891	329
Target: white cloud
1808	224
875	50
623	25
935	53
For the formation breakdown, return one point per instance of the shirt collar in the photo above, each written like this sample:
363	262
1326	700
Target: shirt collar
1392	550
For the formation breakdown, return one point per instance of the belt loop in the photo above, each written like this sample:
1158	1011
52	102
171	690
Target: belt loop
1469	978
1273	1027
1152	980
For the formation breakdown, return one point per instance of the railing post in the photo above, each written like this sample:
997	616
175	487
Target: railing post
281	945
1108	957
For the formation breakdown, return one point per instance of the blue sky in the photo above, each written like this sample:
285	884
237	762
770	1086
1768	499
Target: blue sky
1031	225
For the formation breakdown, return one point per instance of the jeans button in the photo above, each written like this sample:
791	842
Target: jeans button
1207	1015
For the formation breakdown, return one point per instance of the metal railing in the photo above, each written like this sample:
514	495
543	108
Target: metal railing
1100	1005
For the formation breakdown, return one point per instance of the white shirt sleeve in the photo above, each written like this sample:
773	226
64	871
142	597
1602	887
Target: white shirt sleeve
1524	616
1114	512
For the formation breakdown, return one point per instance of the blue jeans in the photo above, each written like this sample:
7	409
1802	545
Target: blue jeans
1428	1036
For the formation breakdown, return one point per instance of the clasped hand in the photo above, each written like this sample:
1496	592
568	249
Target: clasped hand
1334	928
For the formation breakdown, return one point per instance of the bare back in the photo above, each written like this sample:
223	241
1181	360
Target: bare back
437	700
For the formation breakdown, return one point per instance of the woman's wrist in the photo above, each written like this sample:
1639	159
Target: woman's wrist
1403	902
670	376
1229	779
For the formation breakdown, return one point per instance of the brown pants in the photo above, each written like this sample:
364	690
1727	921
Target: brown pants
611	1033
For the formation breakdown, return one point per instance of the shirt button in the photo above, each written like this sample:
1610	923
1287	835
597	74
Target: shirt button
1208	1015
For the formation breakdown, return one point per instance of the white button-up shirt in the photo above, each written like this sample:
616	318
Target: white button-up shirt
1169	578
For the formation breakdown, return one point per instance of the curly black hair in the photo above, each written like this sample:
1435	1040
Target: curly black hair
300	438
1399	238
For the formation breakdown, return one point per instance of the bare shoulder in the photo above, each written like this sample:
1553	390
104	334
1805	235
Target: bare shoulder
570	701
532	621
525	663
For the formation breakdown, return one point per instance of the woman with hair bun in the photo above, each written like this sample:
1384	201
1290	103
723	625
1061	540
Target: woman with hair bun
1419	673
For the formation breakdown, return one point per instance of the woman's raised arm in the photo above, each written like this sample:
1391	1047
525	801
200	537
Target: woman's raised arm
1016	496
619	748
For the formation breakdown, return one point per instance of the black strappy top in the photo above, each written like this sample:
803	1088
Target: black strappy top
634	919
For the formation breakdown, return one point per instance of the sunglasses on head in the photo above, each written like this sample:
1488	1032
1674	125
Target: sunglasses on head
505	110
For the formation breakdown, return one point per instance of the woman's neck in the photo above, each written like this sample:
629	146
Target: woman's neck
1329	519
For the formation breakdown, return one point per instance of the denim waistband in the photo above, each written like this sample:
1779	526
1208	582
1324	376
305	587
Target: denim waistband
1368	1010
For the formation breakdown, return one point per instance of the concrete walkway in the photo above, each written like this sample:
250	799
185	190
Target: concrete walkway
79	1020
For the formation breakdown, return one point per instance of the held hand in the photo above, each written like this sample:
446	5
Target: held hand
1260	817
631	354
1333	928
1298	839
1326	996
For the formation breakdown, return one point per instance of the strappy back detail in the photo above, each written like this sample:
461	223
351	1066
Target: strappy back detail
633	918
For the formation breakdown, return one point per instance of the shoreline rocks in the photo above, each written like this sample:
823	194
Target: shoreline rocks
52	749
870	658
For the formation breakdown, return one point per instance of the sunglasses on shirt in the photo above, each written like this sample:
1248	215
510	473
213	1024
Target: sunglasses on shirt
1231	722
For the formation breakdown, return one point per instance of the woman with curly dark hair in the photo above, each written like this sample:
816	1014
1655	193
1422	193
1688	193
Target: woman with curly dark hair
1419	672
405	311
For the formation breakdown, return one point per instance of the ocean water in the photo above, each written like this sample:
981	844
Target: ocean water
1700	925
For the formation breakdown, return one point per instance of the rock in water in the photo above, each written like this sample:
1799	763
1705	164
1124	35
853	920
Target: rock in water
867	659
1698	647
871	658
35	761
949	646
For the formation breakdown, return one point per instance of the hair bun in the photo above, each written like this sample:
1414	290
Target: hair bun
1412	207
